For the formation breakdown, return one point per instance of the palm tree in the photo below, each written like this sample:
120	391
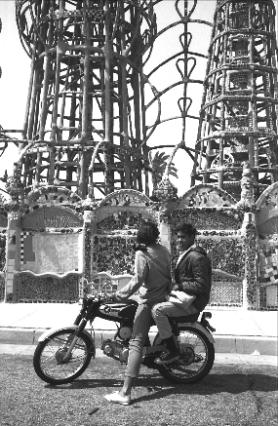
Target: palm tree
158	165
5	177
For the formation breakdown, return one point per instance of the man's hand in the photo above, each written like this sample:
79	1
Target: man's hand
176	287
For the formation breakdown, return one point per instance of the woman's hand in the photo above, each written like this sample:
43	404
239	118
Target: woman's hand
109	297
116	297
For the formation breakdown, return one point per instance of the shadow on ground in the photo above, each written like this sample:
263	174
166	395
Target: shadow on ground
158	387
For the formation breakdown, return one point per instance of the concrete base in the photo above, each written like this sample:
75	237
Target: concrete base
223	344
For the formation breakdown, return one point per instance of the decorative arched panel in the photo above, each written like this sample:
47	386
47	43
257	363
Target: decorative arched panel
213	213
51	218
210	220
126	197
50	246
50	240
52	196
218	222
117	220
207	196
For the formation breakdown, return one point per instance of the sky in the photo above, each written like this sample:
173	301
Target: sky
15	66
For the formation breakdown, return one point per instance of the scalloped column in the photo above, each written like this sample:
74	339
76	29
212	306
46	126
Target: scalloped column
12	258
86	257
251	299
166	195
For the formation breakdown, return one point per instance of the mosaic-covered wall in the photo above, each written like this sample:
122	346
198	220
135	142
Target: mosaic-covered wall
58	243
219	232
53	242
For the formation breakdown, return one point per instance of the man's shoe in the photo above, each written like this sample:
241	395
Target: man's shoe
116	398
166	357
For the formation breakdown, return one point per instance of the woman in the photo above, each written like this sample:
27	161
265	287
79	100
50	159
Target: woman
153	278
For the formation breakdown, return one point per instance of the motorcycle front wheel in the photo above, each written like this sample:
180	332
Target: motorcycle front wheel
196	360
49	359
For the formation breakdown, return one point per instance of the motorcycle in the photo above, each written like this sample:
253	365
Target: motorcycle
63	354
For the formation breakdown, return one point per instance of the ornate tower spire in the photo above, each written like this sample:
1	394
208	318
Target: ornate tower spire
83	126
238	120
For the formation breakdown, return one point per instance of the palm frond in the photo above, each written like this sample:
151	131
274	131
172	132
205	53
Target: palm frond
158	166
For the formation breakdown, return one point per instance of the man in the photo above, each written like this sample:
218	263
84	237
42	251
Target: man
192	276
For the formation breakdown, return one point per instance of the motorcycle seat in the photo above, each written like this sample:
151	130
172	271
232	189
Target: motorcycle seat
186	318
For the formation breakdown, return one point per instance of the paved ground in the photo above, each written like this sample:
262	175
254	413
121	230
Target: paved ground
231	395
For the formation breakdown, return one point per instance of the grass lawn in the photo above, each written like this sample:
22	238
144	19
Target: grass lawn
228	396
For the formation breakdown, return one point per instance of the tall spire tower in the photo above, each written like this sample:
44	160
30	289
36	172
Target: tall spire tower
238	120
83	125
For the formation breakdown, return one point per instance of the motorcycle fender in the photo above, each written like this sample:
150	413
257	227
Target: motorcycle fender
200	327
48	333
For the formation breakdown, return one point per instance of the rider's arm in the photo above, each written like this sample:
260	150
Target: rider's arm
200	283
172	286
141	270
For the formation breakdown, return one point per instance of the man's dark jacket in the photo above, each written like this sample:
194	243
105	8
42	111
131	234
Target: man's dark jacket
193	275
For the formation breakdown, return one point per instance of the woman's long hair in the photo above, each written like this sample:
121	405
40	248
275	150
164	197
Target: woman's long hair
148	233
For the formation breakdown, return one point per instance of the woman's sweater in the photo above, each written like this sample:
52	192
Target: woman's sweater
152	275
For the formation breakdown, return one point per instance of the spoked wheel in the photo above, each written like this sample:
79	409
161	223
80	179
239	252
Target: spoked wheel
196	360
52	362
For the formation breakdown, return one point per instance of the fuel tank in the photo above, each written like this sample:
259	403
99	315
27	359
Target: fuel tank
117	311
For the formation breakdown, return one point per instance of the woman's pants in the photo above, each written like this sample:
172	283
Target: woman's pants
142	322
162	311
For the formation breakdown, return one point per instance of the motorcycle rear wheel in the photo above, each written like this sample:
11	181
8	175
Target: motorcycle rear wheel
48	357
196	361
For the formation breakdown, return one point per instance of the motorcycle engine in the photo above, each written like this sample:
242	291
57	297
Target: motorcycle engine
124	332
116	349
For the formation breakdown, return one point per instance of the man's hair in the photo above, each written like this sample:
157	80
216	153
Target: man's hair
186	228
147	233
